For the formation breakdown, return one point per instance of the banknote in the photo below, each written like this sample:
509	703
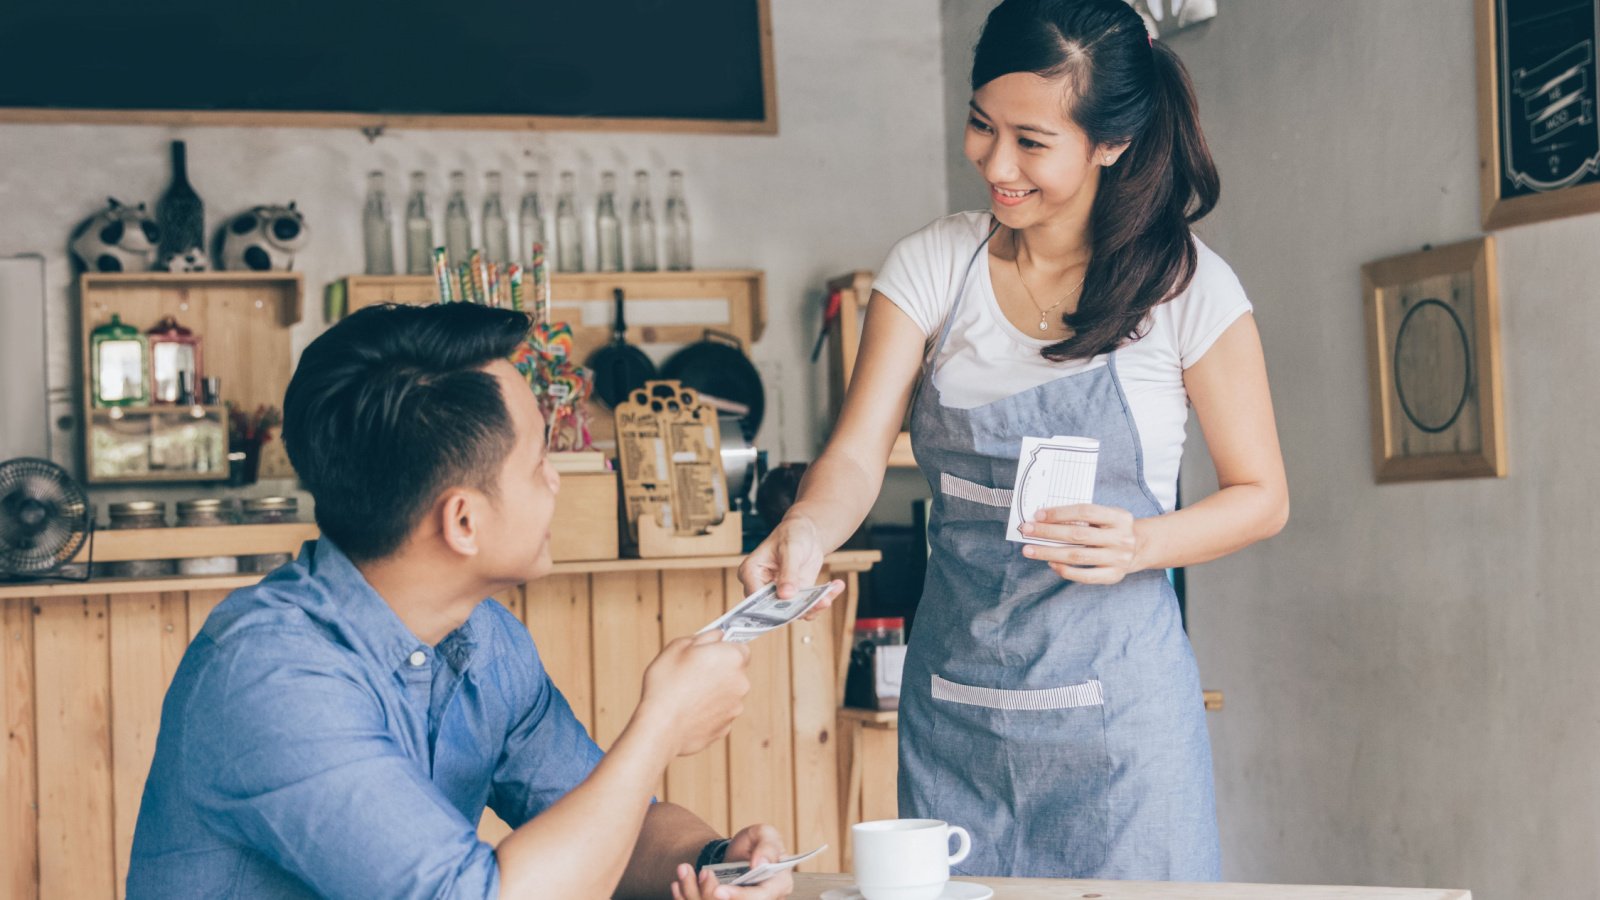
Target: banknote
762	611
739	874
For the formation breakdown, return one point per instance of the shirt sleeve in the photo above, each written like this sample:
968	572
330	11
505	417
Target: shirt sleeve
547	752
293	759
915	277
1215	300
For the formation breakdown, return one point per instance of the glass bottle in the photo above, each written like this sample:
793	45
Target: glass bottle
679	255
180	213
496	239
419	228
607	227
121	364
530	219
642	225
457	227
376	229
569	234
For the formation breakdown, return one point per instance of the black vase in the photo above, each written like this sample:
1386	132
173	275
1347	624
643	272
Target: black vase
180	213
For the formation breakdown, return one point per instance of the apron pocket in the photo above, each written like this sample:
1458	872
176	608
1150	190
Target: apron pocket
1071	696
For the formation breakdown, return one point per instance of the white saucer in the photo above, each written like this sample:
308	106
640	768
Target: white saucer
953	890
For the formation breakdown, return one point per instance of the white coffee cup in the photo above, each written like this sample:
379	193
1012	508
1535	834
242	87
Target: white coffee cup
905	859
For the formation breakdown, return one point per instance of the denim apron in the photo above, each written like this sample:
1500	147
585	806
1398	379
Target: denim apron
1060	723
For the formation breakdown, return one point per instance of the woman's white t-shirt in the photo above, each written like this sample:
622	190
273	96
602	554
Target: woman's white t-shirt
986	358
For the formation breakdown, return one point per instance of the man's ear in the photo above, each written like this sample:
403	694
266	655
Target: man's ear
459	521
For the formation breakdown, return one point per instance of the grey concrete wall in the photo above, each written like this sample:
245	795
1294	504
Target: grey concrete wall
858	161
1408	668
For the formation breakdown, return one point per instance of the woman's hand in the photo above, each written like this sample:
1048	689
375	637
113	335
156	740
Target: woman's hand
1109	542
791	556
757	844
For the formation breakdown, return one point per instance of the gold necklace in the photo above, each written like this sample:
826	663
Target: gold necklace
1044	314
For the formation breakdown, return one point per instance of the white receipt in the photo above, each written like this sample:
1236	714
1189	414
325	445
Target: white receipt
1051	472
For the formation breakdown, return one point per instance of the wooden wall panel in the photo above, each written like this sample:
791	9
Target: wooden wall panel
760	758
689	599
19	820
627	636
138	682
71	666
813	667
557	612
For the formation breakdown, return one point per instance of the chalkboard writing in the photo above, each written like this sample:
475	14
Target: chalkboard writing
1548	96
609	59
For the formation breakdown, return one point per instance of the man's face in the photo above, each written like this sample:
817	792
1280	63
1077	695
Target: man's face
514	542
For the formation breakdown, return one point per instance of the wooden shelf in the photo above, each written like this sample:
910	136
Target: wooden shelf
242	318
119	412
901	457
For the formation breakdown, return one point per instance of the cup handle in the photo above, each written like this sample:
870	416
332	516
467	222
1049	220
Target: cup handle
966	844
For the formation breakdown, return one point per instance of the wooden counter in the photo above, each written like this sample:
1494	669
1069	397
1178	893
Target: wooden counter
84	668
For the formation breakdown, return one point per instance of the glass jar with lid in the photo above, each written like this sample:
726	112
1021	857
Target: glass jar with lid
202	513
138	514
267	511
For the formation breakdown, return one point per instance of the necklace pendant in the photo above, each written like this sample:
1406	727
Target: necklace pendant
1043	326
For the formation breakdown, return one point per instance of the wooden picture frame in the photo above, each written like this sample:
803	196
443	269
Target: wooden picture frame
1538	110
1433	342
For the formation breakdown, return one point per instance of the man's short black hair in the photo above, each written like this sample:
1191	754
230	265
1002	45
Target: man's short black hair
389	408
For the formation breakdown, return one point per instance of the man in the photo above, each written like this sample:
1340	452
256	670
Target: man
338	728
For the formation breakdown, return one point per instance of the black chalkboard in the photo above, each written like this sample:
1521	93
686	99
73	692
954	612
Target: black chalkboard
705	61
1549	100
1538	109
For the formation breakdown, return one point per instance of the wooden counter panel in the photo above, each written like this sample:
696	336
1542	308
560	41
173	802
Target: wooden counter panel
84	669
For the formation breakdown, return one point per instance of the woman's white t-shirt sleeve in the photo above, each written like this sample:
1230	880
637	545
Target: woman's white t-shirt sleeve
917	275
1215	300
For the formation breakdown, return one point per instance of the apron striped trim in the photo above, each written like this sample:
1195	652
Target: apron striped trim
1068	696
963	489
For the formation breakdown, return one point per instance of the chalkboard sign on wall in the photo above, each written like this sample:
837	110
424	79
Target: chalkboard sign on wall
1538	109
665	65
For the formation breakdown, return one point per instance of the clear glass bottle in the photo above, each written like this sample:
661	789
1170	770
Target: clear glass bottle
496	237
642	225
419	228
569	232
607	227
680	257
376	228
457	226
530	220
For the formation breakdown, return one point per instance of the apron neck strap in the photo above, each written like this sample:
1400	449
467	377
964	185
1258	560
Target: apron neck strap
961	291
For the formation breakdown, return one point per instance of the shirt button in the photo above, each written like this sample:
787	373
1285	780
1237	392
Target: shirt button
417	658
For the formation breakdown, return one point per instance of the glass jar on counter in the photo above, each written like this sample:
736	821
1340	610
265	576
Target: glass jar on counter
138	514
201	513
267	511
880	632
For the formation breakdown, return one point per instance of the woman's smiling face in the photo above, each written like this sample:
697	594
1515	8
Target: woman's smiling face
1038	163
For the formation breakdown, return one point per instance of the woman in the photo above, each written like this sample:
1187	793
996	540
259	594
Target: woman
1050	702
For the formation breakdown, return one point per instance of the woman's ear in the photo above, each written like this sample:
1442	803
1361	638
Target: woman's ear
1107	155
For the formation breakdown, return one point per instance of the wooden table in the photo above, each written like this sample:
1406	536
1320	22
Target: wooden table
810	887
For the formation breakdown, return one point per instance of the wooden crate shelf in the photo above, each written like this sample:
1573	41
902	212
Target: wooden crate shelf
242	318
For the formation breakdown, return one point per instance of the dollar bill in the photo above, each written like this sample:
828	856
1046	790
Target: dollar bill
739	874
762	611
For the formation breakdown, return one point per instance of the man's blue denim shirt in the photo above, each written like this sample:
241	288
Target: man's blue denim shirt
311	745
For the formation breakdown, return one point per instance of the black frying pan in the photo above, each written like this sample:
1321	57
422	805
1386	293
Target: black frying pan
619	367
718	366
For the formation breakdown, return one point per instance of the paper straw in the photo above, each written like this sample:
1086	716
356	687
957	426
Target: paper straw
441	275
514	275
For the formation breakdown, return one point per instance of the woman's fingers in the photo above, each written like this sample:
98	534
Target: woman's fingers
1074	556
1091	514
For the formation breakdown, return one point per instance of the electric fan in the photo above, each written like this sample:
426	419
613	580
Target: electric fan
44	518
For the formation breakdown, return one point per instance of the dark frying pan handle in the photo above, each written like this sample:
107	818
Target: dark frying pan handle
619	325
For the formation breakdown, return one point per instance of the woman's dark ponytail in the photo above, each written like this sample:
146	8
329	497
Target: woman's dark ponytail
1124	89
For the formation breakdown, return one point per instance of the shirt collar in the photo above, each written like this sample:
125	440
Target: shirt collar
369	622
